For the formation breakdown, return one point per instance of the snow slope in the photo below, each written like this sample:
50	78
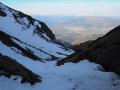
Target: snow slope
81	76
32	32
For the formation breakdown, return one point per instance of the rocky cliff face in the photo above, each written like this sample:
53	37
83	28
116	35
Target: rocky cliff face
104	51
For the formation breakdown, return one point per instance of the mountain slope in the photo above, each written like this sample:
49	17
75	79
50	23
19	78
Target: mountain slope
24	39
30	34
23	54
104	51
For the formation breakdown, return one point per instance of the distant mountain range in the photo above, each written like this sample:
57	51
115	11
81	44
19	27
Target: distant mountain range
79	29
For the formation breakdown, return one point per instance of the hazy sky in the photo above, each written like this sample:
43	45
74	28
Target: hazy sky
66	7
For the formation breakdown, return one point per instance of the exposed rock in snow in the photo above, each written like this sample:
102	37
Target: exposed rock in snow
81	76
7	40
9	67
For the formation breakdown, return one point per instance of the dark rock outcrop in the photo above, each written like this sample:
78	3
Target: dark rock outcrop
2	13
104	51
9	67
47	30
7	40
39	30
80	47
